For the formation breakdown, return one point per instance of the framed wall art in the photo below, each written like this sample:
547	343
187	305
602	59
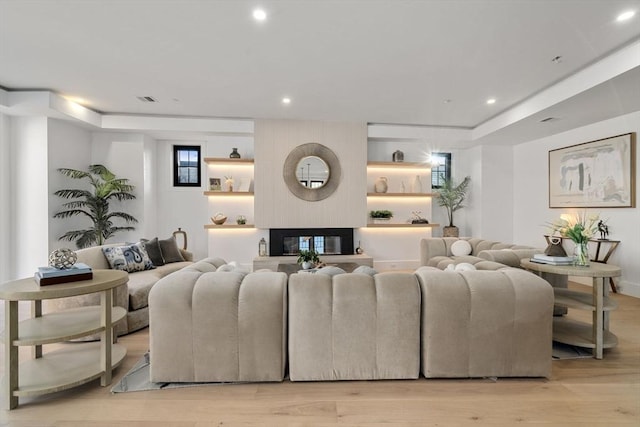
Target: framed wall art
596	174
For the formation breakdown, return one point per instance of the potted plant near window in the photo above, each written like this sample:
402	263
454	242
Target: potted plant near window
381	216
308	258
451	196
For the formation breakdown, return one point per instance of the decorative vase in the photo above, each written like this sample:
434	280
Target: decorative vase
229	183
381	185
307	265
234	154
417	184
397	156
581	252
359	249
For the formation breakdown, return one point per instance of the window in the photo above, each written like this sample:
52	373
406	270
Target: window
440	168
186	166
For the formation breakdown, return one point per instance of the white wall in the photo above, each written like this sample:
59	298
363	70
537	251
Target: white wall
6	182
68	147
531	203
30	194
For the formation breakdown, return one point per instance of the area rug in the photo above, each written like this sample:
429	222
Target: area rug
137	379
566	351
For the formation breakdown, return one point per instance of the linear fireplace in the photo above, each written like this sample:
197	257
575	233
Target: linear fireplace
325	241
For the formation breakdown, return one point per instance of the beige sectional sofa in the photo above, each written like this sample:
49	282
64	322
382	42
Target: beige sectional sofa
213	325
133	296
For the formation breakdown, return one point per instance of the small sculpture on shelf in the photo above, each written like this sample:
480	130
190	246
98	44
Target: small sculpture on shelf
63	258
241	220
603	229
234	154
219	218
417	219
397	156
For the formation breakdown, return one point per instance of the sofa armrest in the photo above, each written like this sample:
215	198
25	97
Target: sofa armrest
188	256
510	257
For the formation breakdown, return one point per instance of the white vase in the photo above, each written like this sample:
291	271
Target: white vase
307	265
417	185
381	185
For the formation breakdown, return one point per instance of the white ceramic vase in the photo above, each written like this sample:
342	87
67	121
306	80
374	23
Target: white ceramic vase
381	185
417	184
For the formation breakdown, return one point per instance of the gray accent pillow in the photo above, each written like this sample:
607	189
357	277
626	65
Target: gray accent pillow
153	250
170	251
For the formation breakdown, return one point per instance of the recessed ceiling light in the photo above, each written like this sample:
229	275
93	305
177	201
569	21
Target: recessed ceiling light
491	101
259	14
556	59
286	100
626	15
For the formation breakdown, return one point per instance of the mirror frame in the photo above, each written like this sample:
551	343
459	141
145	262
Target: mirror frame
291	166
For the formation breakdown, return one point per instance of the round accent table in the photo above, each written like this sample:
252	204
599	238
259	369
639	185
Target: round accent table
596	335
73	364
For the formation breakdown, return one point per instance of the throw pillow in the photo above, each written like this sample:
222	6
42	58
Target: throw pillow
153	250
460	248
128	258
331	270
465	266
170	251
365	269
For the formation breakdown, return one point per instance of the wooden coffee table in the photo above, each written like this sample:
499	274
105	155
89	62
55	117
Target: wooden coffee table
597	334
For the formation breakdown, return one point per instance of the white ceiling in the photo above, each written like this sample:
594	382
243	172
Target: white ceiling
377	61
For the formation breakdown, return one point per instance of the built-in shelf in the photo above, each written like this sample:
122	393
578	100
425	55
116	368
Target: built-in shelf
400	194
401	225
216	226
228	193
225	161
581	300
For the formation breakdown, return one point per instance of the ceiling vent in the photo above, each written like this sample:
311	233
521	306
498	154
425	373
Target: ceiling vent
146	99
549	119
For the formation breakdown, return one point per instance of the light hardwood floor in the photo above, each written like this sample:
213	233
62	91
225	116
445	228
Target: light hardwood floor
582	392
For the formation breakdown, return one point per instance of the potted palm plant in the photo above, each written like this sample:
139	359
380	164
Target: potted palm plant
451	196
94	205
308	258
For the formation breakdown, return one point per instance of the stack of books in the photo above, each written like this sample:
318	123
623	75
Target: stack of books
53	276
553	260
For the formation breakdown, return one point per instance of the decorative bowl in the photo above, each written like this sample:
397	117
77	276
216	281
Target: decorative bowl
219	219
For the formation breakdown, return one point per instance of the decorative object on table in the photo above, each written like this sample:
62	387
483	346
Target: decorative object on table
359	249
381	185
579	228
53	275
219	218
215	184
594	174
62	258
262	247
552	260
397	156
308	258
241	220
451	196
183	233
228	181
603	229
234	154
555	248
403	188
417	219
417	184
381	216
94	204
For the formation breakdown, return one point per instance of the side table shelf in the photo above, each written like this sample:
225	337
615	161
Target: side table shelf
68	367
581	300
577	333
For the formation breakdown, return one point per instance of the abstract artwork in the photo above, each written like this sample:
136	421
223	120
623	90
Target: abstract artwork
594	174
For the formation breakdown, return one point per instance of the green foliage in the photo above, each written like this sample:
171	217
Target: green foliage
94	205
451	196
381	214
308	255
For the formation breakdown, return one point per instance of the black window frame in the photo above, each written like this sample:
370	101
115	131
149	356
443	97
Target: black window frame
176	165
437	172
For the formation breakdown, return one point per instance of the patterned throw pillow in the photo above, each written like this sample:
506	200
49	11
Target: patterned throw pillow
128	258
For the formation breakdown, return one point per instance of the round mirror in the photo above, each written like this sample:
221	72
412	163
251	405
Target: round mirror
312	172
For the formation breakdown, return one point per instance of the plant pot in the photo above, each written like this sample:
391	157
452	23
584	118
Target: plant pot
381	220
307	265
450	231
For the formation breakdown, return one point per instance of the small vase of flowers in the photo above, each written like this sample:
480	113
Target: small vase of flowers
578	228
308	258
